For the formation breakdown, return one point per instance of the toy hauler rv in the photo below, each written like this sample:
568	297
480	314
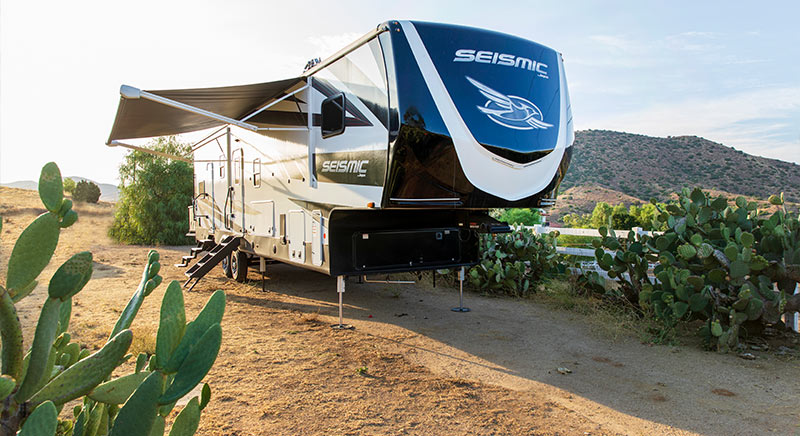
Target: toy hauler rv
385	157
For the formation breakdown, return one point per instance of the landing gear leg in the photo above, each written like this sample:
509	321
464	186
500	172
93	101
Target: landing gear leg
262	268
340	291
460	307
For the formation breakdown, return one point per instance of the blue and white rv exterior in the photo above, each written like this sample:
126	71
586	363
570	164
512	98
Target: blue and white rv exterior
385	157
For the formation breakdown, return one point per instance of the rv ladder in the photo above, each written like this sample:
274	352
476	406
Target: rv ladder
211	259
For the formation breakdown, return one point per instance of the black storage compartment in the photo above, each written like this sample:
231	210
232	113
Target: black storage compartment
400	249
384	241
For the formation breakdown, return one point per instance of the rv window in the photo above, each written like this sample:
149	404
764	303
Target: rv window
333	115
257	172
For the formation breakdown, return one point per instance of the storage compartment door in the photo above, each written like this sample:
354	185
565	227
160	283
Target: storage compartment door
261	219
317	231
296	234
406	249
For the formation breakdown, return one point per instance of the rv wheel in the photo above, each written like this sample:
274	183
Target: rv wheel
226	266
238	266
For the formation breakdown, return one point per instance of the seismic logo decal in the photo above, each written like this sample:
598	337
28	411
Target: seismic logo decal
504	59
509	110
346	166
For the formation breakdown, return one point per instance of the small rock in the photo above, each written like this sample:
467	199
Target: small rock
747	356
755	347
565	371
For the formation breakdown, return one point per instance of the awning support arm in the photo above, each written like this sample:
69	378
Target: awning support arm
274	103
201	143
345	51
116	143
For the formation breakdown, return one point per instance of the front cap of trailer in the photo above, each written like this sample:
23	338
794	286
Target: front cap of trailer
504	102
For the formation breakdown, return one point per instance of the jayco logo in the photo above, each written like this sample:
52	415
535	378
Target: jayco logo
509	110
346	166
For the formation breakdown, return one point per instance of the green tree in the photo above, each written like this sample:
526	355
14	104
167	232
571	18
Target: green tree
154	194
86	191
576	220
646	214
526	217
601	215
69	185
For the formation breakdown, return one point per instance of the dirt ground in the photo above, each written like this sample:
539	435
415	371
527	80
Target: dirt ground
412	366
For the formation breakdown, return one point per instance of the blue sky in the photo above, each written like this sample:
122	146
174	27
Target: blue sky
728	71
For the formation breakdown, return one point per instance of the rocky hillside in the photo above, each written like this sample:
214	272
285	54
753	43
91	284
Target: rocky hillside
644	166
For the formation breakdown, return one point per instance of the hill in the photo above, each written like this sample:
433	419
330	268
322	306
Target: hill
582	199
644	166
108	192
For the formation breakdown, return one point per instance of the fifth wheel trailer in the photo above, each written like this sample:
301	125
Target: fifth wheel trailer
385	157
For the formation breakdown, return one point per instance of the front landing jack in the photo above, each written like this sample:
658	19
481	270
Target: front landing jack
460	307
340	291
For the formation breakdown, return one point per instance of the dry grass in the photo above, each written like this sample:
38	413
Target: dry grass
281	370
610	319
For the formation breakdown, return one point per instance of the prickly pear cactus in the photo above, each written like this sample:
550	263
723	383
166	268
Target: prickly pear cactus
727	264
512	262
35	385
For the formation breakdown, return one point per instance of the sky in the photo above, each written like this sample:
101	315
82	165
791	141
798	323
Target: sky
728	71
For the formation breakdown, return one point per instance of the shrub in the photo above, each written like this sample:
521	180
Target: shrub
35	386
154	195
69	185
512	262
86	191
717	262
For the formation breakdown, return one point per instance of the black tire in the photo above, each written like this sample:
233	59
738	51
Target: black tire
238	266
226	266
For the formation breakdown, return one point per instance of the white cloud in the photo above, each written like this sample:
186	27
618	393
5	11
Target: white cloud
693	41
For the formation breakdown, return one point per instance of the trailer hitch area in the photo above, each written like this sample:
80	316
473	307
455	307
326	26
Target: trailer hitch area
486	224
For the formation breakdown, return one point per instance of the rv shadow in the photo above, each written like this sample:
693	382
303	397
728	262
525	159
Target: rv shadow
522	345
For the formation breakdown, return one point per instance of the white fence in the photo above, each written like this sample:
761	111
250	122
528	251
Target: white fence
792	321
588	265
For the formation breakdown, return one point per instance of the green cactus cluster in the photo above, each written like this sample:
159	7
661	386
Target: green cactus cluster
512	262
727	264
37	383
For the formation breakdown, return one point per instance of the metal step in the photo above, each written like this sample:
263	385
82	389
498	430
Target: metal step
202	245
212	258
